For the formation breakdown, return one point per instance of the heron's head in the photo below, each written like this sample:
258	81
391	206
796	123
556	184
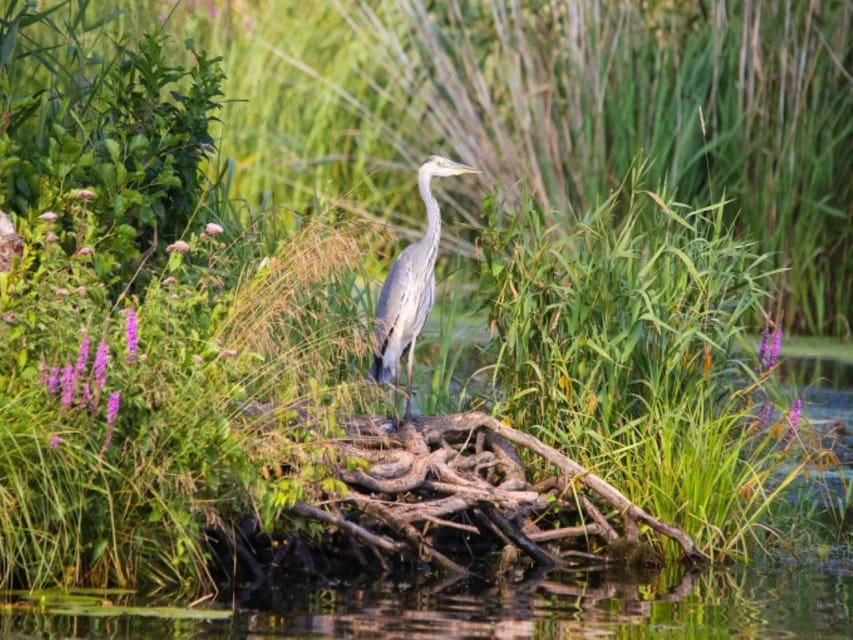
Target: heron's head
438	166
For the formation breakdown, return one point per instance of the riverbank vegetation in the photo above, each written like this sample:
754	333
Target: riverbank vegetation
186	327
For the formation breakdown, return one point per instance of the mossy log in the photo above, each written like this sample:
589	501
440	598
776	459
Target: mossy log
435	481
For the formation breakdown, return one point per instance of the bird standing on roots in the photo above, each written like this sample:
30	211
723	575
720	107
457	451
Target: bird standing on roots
409	289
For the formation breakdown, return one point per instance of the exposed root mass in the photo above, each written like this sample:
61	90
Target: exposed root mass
439	490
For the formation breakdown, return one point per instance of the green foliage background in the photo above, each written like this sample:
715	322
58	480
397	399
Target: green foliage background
616	307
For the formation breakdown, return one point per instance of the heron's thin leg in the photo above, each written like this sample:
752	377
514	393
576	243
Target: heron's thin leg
409	368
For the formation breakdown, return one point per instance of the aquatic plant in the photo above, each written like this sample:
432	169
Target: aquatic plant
616	342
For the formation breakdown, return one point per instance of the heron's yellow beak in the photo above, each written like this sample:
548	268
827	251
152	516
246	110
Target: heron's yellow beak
464	168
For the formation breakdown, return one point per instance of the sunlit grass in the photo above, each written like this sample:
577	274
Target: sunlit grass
618	342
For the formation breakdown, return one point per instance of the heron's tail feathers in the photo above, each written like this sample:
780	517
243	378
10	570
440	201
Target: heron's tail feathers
380	372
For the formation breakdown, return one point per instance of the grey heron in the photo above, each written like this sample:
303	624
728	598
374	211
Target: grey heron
409	290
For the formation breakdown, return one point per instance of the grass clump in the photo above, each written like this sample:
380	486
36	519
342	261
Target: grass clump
616	342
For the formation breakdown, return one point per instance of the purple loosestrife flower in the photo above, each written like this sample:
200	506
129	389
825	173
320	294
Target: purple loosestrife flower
112	411
775	348
55	441
793	420
86	395
131	334
112	407
762	352
764	415
82	356
53	381
69	385
100	367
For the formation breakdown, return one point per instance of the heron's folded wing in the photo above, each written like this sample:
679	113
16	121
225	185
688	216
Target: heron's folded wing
395	297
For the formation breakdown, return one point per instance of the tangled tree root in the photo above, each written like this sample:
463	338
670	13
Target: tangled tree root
436	481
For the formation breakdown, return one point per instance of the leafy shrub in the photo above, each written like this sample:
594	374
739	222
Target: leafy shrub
126	408
82	111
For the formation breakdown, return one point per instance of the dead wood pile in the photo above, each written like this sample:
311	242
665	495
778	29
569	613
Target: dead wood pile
462	475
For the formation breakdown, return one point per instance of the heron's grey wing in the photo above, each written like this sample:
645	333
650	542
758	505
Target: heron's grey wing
396	294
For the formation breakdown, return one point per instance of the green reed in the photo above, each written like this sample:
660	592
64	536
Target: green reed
616	342
733	99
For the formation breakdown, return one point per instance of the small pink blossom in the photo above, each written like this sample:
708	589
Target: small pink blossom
168	282
197	358
229	353
99	369
62	293
180	246
113	405
81	289
51	237
82	355
213	229
84	251
112	411
222	245
68	382
83	194
55	441
48	216
53	380
131	334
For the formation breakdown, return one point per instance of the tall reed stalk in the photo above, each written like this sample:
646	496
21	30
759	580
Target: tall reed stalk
747	100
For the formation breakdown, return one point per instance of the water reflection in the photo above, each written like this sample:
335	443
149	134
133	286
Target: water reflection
744	602
778	599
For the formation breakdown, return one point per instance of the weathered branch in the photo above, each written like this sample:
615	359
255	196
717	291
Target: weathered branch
460	476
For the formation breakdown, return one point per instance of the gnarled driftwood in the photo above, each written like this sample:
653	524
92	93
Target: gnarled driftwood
462	474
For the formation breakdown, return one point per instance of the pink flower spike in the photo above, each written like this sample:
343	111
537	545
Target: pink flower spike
213	229
131	334
180	247
53	380
55	441
82	356
113	405
69	385
793	420
48	216
99	369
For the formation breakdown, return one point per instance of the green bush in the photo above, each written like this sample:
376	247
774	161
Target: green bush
85	113
126	409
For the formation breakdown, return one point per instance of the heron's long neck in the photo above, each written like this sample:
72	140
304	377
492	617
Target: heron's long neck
433	233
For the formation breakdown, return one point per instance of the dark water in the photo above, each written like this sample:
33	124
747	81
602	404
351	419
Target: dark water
771	599
784	597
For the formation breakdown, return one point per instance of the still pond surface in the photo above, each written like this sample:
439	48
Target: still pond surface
771	599
783	597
